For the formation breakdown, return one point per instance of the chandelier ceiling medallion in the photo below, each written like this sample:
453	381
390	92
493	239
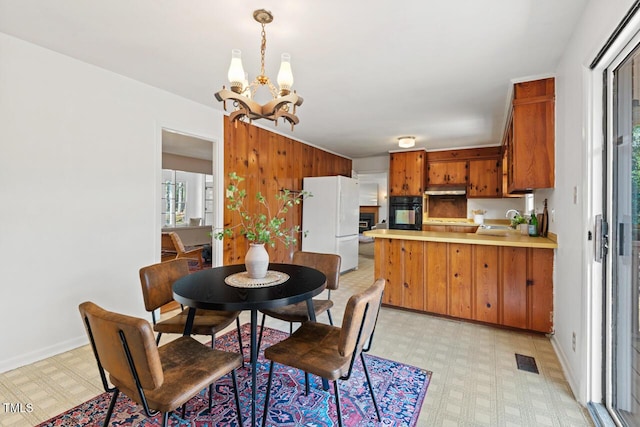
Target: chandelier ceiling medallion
284	102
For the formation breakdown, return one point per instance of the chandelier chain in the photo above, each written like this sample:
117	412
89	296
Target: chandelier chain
263	48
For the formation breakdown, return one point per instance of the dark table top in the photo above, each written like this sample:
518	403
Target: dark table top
207	289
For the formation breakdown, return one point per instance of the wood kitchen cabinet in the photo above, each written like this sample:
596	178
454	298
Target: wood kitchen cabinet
403	270
460	280
447	173
500	285
514	287
485	289
485	178
527	288
529	139
406	173
436	277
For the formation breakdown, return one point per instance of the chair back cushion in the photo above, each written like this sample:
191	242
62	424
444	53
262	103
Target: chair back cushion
329	264
157	280
103	327
361	310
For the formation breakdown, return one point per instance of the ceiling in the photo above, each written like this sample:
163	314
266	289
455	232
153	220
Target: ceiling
369	71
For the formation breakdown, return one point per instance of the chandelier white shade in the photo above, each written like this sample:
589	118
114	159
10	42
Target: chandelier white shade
406	141
242	92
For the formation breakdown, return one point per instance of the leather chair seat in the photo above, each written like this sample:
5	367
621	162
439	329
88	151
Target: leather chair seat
312	348
298	312
188	367
205	322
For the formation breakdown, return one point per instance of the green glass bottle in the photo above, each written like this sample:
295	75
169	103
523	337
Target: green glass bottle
533	224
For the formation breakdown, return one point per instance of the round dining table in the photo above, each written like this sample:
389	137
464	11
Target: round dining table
208	289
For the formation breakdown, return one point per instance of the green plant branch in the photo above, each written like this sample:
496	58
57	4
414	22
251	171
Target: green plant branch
260	227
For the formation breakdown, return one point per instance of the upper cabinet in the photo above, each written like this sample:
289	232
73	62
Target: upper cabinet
529	138
406	173
485	178
447	173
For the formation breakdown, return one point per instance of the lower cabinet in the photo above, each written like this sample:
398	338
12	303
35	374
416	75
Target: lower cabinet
493	284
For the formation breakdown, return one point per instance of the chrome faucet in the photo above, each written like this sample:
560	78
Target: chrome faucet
515	213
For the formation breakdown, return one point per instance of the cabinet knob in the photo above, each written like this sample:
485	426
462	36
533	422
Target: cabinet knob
488	305
455	275
486	265
529	282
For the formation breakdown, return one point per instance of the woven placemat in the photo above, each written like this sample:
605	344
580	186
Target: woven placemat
242	279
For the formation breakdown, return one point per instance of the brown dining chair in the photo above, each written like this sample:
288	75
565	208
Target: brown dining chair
329	264
172	248
157	281
160	379
330	351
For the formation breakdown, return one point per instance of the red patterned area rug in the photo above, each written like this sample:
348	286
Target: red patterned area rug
400	390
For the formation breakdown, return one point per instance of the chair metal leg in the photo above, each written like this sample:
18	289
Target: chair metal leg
184	410
112	405
373	396
165	419
237	396
290	328
330	318
240	339
261	329
306	383
158	338
266	399
337	393
210	398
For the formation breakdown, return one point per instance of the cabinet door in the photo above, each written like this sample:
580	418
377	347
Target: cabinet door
414	176
397	182
436	277
460	280
413	268
437	173
485	178
457	173
486	284
393	272
447	173
406	173
532	152
514	286
540	290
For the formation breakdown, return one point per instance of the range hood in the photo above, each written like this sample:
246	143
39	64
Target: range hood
446	191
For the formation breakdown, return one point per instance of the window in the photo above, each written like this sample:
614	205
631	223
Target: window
187	198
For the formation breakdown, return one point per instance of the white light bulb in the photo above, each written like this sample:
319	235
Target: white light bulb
285	75
236	71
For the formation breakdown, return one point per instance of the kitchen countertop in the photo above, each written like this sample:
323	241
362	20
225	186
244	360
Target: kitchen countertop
464	222
513	239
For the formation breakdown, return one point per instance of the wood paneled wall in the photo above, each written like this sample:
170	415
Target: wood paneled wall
270	162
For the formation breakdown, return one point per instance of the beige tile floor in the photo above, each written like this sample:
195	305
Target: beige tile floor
475	380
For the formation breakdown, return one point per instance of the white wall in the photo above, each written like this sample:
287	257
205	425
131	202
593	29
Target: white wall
79	179
573	220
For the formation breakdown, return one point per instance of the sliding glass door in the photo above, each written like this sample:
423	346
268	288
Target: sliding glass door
624	246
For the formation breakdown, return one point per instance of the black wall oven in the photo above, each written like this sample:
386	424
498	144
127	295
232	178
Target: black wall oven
405	213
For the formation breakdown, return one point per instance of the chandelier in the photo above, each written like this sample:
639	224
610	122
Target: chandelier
284	102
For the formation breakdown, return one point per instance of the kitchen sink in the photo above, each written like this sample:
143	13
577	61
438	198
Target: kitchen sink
495	230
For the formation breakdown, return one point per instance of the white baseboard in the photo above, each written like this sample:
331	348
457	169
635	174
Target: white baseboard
43	353
568	373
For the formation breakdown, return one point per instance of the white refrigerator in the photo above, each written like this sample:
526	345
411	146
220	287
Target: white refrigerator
331	218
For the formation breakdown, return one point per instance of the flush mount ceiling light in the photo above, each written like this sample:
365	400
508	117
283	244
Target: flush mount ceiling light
406	141
284	101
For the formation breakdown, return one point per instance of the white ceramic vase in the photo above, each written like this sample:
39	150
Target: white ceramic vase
256	261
